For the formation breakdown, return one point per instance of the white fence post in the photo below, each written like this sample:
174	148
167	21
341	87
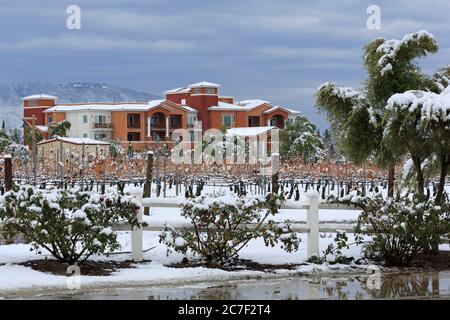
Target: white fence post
312	220
136	233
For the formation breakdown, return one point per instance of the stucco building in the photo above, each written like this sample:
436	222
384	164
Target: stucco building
145	123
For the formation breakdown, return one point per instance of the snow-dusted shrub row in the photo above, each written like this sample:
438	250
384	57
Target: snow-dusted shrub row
70	224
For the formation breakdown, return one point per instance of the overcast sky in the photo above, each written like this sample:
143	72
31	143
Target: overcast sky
276	50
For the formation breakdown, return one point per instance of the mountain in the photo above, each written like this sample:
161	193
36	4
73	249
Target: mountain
75	92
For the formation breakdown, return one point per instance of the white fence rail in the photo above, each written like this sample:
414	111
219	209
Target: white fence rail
312	227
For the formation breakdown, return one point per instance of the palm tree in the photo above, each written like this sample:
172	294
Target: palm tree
59	128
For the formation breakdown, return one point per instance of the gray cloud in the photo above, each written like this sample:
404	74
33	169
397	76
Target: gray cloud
279	50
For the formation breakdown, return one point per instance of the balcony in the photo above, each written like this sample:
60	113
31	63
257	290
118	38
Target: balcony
103	126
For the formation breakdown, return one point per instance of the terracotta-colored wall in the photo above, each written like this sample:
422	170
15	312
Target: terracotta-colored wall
282	113
38	113
120	123
37	110
226	100
199	102
46	103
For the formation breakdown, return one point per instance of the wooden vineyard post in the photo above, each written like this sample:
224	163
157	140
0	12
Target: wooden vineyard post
8	172
148	180
275	168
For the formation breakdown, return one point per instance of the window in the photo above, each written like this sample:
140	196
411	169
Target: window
50	119
100	136
273	122
191	120
32	103
183	102
134	136
196	90
210	91
85	118
101	119
134	121
154	120
228	120
85	135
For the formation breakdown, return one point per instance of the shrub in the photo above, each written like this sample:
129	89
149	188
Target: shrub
400	229
70	224
222	226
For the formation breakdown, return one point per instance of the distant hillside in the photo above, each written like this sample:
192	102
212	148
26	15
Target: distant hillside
11	93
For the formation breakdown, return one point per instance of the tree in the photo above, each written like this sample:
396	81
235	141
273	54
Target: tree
59	128
28	135
420	121
300	138
358	116
16	136
329	144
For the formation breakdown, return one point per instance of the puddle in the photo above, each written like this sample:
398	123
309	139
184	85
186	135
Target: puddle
421	285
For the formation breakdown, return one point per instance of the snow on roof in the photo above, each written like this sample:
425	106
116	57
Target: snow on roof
178	90
42	128
187	89
223	106
41	96
106	107
252	103
80	141
204	84
189	109
248	131
282	108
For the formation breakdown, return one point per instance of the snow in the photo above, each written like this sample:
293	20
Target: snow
390	49
252	103
281	108
15	277
106	107
187	89
249	131
223	106
204	84
42	96
79	141
433	106
189	109
178	90
343	92
42	128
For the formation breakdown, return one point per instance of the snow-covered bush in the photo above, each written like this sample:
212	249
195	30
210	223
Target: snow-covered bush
400	229
70	224
222	226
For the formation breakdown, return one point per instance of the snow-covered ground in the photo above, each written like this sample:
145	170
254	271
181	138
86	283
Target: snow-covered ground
16	277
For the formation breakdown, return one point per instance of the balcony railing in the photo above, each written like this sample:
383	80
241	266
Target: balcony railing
103	126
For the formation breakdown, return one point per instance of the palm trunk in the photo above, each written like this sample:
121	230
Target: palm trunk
442	176
419	177
391	180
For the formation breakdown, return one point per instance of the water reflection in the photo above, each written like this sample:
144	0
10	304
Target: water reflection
434	285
